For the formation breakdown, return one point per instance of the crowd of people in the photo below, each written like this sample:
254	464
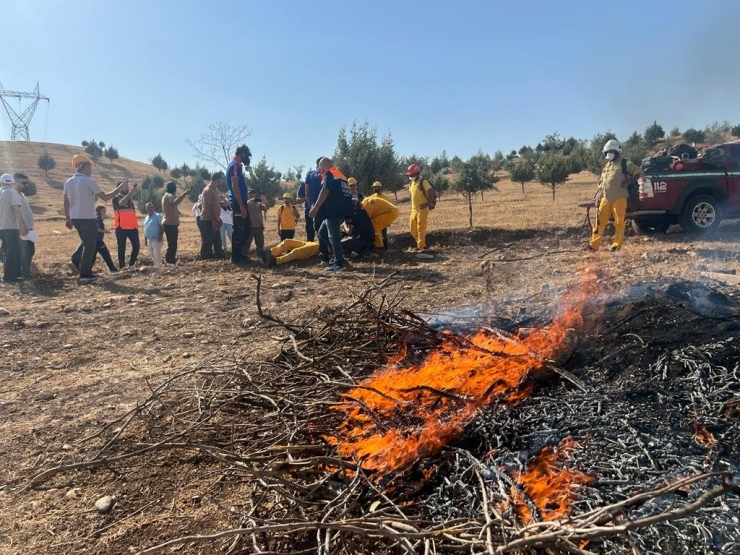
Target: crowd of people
339	220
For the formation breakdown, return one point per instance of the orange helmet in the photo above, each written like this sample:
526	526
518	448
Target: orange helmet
413	170
78	159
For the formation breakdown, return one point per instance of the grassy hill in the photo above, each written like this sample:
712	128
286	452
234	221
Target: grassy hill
23	157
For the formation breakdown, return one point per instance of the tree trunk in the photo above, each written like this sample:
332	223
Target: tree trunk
470	209
481	196
553	191
46	173
522	187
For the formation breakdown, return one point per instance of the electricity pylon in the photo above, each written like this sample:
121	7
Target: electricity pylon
22	121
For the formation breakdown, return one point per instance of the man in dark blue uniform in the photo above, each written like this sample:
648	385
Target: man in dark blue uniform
238	200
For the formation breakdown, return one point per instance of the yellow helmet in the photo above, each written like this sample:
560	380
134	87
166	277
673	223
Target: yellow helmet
377	185
78	159
352	181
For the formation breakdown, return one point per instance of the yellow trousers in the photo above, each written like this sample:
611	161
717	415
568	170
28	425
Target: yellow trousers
418	223
380	222
293	249
616	208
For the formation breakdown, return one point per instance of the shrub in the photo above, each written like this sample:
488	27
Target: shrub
654	133
692	135
46	162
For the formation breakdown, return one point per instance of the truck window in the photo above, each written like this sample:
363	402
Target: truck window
735	151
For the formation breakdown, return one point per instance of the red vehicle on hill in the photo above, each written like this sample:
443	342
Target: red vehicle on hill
697	193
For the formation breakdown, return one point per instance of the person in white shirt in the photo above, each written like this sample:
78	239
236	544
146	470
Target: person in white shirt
28	246
80	192
227	222
12	226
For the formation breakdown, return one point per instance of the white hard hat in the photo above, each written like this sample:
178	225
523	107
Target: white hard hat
7	179
612	144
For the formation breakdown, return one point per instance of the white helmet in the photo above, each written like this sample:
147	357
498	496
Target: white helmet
612	144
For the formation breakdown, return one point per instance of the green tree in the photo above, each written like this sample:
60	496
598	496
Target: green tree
692	135
30	189
175	173
468	183
46	162
654	133
159	163
93	148
487	169
149	194
298	171
361	155
634	139
522	172
196	186
289	175
441	184
157	182
265	180
735	131
498	160
675	132
111	153
552	170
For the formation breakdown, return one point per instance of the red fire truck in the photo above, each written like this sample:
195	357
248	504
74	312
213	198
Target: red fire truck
694	193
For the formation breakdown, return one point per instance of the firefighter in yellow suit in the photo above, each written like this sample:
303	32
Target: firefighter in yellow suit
289	250
382	214
614	193
423	199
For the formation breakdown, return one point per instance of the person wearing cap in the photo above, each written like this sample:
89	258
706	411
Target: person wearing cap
256	207
287	216
377	188
308	194
12	226
356	195
28	246
237	183
80	192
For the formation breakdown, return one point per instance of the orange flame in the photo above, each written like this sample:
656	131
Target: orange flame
548	484
704	437
401	415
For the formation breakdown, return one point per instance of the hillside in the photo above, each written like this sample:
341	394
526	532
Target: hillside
23	156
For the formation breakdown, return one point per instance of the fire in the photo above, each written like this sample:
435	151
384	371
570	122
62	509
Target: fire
403	414
704	437
549	484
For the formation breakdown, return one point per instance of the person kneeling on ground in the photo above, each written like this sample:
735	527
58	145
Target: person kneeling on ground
360	233
289	250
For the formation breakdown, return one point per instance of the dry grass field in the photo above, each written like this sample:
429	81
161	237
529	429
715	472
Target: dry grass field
76	357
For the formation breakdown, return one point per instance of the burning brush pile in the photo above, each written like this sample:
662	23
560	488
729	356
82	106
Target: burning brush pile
598	424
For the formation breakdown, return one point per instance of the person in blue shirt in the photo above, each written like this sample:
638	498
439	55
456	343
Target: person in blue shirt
238	199
100	246
308	193
153	233
334	204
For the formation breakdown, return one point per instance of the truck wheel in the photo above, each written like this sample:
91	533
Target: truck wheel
652	225
701	214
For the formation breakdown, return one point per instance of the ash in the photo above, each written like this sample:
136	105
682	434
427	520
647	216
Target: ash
662	375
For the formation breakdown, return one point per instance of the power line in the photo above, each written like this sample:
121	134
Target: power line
21	121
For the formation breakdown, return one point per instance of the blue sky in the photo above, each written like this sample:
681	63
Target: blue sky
459	76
